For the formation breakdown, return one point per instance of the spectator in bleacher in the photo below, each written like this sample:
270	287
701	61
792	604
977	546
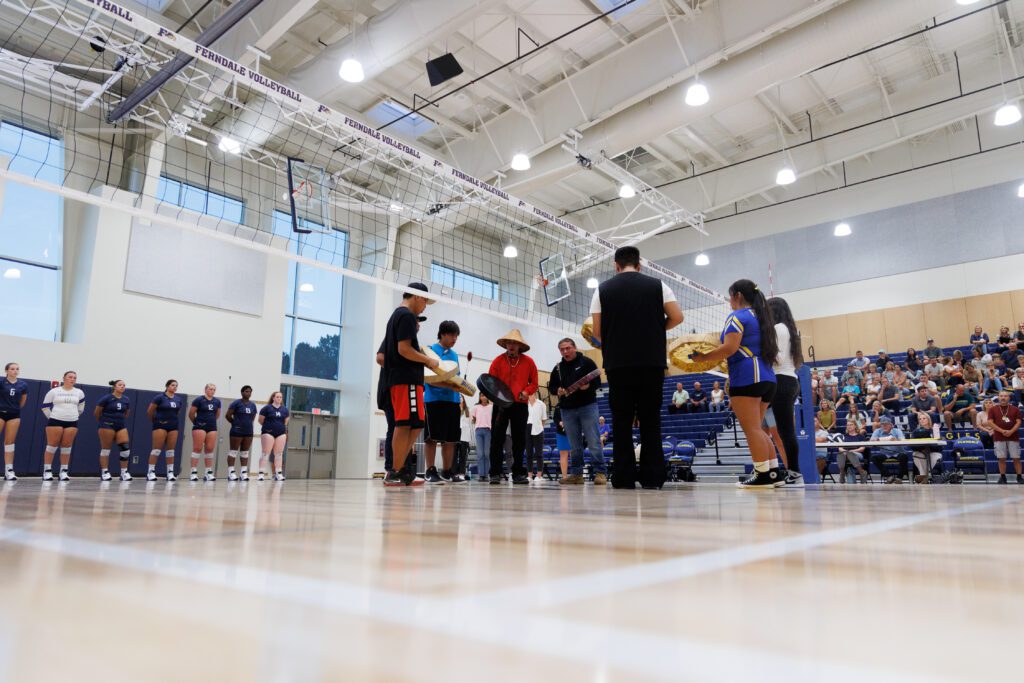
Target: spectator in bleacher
698	400
821	436
680	400
971	375
1003	339
999	365
926	458
886	431
858	418
853	455
889	372
980	338
882	360
991	382
872	387
1009	356
959	407
980	359
859	361
1017	384
851	392
717	398
1006	419
876	414
1018	336
852	371
899	378
985	426
830	386
913	362
931	350
579	411
889	396
787	388
826	414
816	384
924	403
603	430
953	371
933	388
933	371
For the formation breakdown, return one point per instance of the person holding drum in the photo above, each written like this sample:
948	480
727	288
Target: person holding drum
519	373
575	380
443	413
403	367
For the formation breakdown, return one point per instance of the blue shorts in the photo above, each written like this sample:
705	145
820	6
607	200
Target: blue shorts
275	432
116	425
205	426
562	442
66	424
6	415
239	434
167	426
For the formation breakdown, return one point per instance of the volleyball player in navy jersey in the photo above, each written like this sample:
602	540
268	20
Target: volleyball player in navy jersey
112	416
204	413
241	414
274	420
750	344
163	412
13	394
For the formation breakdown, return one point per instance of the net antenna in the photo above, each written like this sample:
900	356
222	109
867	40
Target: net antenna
308	197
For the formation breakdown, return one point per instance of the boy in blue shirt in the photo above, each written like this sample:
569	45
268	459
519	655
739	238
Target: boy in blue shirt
443	413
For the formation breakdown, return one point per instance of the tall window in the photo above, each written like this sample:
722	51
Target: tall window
200	199
457	279
312	331
31	236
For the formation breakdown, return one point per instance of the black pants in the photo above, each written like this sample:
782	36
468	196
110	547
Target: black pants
535	452
461	458
636	393
516	414
389	456
879	460
786	390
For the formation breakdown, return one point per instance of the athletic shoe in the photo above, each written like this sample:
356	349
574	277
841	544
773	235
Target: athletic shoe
571	480
1002	479
63	476
244	477
409	478
279	476
432	477
260	477
793	480
496	481
47	475
457	478
151	476
194	476
521	479
392	479
760	480
209	477
446	475
921	479
9	475
1020	478
105	476
171	476
232	476
125	475
600	479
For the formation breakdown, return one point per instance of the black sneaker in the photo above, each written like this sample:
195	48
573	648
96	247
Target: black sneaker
432	477
392	479
760	480
409	478
1020	478
453	477
521	479
1002	479
496	481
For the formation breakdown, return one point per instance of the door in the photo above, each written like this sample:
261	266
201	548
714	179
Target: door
297	450
323	446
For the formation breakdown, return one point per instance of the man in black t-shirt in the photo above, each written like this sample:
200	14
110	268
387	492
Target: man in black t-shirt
698	399
579	411
384	403
403	368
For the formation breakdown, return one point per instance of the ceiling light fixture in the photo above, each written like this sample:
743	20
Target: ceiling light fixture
521	162
1007	115
351	71
702	259
230	145
1020	191
306	287
511	251
785	176
697	95
967	2
592	283
12	274
626	192
842	230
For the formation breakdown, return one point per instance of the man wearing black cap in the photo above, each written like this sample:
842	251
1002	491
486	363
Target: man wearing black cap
403	368
632	312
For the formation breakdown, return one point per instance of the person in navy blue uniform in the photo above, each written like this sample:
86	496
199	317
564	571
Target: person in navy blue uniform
163	412
274	433
13	394
751	347
204	413
112	417
241	414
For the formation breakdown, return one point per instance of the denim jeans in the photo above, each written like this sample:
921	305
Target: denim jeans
483	451
581	425
991	381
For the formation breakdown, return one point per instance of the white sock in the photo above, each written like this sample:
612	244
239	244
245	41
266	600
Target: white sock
195	470
761	466
63	468
103	470
9	468
245	469
152	468
231	470
209	470
773	463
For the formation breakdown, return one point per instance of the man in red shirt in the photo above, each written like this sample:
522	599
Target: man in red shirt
1005	420
519	372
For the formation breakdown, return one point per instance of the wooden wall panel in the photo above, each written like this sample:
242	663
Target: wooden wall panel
867	332
1017	305
832	337
904	328
806	328
990	311
946	321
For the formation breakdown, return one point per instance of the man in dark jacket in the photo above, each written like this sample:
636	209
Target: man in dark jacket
579	411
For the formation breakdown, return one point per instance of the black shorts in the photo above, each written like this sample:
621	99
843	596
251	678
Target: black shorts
116	425
275	432
166	426
762	390
240	435
66	424
204	426
444	422
6	415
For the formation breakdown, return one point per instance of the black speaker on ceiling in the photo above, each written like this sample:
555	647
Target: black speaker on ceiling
443	68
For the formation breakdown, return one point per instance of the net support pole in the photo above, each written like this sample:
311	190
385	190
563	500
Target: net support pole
805	427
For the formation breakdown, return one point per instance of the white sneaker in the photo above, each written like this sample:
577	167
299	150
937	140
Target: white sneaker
193	477
105	476
279	476
259	477
125	476
245	476
209	477
171	476
794	480
232	476
151	476
9	475
47	475
64	476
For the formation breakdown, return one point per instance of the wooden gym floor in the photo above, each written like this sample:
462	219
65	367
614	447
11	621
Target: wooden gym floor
346	581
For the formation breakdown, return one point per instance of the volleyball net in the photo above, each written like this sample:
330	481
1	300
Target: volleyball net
193	139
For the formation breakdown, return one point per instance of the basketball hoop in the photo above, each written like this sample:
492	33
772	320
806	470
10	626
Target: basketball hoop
302	194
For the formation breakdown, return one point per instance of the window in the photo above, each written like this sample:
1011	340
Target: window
312	342
309	400
456	279
31	236
412	125
200	199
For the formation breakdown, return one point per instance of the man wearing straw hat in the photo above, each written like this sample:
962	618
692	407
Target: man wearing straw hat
632	312
519	372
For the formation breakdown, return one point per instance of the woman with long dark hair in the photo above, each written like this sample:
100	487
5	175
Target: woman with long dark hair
787	388
112	417
751	347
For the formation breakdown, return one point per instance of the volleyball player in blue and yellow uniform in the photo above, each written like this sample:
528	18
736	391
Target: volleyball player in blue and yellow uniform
112	417
750	345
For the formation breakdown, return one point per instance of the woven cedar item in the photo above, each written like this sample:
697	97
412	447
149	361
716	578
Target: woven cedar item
679	351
